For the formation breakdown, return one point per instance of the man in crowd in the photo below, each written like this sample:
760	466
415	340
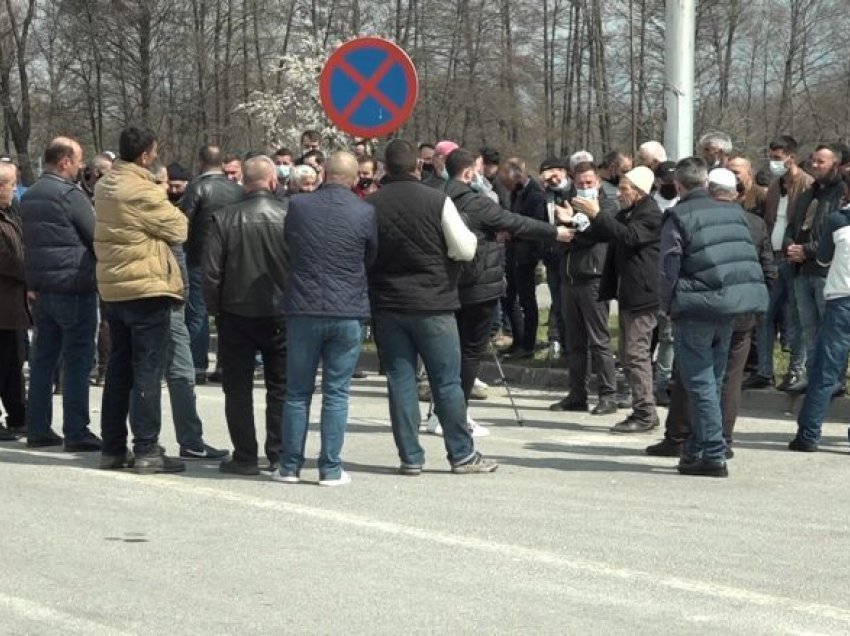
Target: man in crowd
326	300
666	196
780	202
438	177
367	170
558	188
721	187
15	317
179	368
804	231
414	296
715	148
529	200
303	178
833	341
710	275
630	275
651	154
243	288
614	165
585	316
94	170
207	193
283	157
139	280
231	165
316	160
311	141
58	230
426	161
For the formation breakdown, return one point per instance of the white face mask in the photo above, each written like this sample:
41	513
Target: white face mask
589	193
778	168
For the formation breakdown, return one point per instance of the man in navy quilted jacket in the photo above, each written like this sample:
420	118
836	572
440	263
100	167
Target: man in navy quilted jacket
332	238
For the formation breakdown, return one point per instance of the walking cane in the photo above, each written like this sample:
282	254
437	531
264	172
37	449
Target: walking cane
519	420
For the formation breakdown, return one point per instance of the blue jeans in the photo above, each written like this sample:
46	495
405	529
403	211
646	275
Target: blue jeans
198	320
65	325
782	303
139	330
701	352
811	305
335	342
180	376
401	337
827	369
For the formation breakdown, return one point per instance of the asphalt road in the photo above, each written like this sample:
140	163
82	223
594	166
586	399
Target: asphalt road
577	533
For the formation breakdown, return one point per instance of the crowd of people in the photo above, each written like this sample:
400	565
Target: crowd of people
117	265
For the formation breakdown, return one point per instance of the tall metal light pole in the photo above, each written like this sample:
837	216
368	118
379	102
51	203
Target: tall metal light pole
679	84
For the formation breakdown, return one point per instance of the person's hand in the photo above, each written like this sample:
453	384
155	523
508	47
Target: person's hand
31	296
589	206
796	253
565	234
564	213
502	237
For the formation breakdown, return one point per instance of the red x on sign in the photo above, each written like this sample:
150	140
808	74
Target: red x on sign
369	87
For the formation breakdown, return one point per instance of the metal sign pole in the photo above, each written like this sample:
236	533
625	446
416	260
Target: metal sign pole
679	85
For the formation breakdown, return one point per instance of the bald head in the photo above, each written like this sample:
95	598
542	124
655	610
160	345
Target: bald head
8	182
64	157
342	168
259	173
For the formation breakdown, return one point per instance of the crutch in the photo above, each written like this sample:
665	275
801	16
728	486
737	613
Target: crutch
519	420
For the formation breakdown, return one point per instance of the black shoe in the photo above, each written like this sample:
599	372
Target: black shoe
89	443
606	406
729	453
359	374
633	425
272	466
800	446
156	461
702	467
200	379
799	386
840	391
207	452
569	404
664	448
756	382
623	401
237	468
6	435
117	462
51	439
662	398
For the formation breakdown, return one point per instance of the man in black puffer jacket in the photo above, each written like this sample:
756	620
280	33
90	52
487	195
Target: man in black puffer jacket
482	282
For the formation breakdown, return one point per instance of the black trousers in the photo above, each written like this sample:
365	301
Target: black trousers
525	291
473	325
677	428
239	338
587	339
12	377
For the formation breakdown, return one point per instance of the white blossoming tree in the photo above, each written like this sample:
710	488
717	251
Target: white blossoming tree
284	114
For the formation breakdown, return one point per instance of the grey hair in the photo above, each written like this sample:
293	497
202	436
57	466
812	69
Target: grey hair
691	173
718	191
718	140
8	172
654	150
299	173
582	156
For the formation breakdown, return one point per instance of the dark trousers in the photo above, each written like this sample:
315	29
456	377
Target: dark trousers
139	330
240	337
526	294
556	329
636	336
588	339
678	424
473	325
12	377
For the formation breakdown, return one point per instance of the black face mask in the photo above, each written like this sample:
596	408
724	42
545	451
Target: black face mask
427	168
174	197
614	180
668	191
740	187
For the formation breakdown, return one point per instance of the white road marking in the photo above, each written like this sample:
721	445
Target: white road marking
45	615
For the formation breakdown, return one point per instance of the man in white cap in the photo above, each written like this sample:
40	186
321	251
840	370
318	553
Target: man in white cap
631	276
710	277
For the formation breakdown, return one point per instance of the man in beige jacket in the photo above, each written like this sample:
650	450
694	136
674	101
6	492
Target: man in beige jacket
139	280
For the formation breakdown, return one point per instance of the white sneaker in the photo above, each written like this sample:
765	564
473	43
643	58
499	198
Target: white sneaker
479	384
476	429
433	425
285	479
343	479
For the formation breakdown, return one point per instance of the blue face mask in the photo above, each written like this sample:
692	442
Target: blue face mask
444	174
283	172
477	183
